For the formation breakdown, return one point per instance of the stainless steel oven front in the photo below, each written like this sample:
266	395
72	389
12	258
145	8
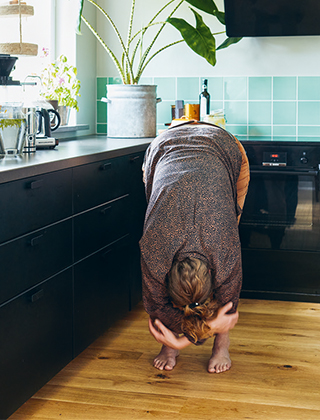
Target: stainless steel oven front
280	224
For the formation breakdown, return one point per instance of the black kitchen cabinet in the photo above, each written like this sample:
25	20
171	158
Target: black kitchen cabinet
100	226
70	266
34	257
31	203
36	339
101	292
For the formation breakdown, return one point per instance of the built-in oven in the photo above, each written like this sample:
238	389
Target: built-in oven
280	224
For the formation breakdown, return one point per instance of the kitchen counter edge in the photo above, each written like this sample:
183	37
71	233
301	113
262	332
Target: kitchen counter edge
69	154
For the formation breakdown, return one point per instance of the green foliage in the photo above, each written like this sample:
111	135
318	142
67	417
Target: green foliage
10	122
60	83
199	38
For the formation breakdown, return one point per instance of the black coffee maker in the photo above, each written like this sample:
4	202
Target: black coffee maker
7	63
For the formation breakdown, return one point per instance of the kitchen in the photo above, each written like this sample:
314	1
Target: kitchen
269	89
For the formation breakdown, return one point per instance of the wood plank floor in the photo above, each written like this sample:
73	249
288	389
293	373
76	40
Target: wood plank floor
275	349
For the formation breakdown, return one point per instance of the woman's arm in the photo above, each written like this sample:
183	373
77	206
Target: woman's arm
220	325
165	336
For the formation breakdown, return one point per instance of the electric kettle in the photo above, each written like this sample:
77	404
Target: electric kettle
48	120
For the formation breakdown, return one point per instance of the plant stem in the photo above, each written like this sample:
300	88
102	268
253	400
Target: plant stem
114	58
156	53
144	57
119	38
129	33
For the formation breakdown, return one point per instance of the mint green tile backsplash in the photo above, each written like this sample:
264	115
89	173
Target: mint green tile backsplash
257	107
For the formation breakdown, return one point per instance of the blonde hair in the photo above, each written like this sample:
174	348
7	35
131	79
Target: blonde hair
190	289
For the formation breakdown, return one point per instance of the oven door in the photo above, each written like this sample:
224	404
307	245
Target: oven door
280	235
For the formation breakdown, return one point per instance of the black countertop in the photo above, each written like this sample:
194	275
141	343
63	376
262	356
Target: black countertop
69	154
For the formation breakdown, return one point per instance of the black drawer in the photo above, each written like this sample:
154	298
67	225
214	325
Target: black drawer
36	340
137	191
99	182
34	257
99	227
31	203
101	292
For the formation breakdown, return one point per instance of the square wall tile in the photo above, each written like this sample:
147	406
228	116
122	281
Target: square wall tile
166	88
237	130
260	88
101	87
235	88
303	138
284	130
101	112
102	128
164	112
236	112
309	113
260	112
146	81
309	88
114	81
215	105
284	112
284	88
309	130
259	130
188	89
215	88
284	138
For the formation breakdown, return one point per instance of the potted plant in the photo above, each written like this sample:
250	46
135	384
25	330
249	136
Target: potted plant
60	85
135	56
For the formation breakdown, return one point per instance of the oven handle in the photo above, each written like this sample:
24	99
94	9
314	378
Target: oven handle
272	172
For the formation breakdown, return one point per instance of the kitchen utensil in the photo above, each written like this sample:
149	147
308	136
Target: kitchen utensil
45	117
12	129
31	130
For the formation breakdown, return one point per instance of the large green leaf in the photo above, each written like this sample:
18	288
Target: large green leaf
207	6
199	39
81	2
227	42
220	16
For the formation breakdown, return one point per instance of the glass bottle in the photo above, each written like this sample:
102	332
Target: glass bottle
204	100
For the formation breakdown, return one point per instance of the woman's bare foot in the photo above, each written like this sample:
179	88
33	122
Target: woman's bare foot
220	359
166	359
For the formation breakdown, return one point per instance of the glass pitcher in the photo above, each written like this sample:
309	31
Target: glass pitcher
12	129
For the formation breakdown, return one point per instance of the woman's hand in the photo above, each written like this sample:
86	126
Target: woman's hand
165	336
223	322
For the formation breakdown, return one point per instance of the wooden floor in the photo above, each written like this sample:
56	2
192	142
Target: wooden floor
275	349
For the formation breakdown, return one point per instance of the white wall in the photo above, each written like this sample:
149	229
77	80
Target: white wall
81	52
252	56
86	53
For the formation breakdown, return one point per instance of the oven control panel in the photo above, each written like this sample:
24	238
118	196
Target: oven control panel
274	159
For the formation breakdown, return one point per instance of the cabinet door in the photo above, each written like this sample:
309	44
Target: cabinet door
101	292
138	209
99	182
137	193
33	258
34	202
36	340
100	226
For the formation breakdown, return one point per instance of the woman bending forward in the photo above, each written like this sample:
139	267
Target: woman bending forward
196	178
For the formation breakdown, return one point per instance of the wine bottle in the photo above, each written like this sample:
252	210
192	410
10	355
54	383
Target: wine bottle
204	100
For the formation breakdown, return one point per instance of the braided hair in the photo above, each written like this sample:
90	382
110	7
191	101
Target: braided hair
190	289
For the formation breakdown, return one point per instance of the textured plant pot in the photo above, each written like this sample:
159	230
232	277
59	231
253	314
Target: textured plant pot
64	112
132	111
